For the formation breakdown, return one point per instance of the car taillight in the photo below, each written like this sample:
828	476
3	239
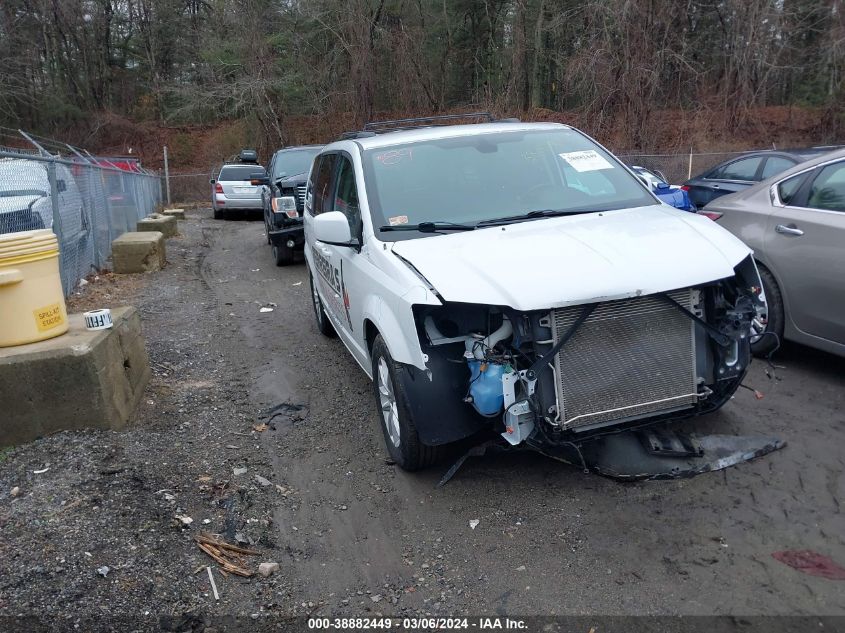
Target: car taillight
218	188
713	215
685	187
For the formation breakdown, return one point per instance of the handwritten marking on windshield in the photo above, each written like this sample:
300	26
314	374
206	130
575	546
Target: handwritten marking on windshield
394	157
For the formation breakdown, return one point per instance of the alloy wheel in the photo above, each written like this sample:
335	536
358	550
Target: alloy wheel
387	402
318	307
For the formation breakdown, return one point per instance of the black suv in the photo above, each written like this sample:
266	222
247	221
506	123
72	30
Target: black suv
283	198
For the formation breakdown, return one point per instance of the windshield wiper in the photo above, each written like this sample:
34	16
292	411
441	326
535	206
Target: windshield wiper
429	227
531	215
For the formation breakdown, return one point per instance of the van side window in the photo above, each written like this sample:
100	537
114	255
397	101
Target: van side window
321	189
346	196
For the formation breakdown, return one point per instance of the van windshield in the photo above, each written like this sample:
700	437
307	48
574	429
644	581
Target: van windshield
469	179
19	177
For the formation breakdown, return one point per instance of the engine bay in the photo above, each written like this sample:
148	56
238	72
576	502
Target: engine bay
550	377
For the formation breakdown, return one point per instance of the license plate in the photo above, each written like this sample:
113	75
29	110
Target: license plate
244	189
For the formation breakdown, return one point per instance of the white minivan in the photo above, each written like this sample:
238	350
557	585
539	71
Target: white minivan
517	279
25	202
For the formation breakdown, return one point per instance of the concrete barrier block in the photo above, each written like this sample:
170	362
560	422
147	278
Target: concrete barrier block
179	214
82	379
138	252
161	223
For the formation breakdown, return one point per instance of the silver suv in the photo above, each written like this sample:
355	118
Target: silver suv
233	189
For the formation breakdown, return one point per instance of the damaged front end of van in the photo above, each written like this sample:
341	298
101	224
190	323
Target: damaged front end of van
601	383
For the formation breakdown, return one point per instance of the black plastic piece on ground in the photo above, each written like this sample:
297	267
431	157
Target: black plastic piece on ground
641	455
666	443
624	456
491	446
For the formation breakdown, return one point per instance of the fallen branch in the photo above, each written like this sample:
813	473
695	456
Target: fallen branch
225	554
205	537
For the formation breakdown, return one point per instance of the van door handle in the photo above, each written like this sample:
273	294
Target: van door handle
789	230
715	186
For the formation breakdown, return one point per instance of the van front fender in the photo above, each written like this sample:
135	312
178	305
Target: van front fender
396	325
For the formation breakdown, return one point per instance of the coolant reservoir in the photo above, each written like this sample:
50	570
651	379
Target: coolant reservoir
485	386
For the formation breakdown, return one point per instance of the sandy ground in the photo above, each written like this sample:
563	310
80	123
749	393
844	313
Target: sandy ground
353	534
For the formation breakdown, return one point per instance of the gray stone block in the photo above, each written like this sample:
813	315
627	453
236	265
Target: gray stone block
82	379
138	252
162	223
179	214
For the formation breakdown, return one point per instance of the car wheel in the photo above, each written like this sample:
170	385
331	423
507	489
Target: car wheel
763	341
283	255
397	422
323	324
218	214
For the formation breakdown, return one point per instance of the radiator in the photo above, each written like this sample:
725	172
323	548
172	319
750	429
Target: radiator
630	358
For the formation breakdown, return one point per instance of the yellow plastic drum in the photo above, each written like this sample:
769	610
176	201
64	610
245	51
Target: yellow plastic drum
32	304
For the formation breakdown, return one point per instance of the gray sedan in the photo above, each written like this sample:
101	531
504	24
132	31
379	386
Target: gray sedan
795	222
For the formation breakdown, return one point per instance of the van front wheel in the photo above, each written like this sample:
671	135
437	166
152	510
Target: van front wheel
397	422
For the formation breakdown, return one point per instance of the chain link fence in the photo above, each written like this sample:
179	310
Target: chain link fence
86	201
191	187
677	168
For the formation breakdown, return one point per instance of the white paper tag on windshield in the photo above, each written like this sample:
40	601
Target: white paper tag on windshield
587	160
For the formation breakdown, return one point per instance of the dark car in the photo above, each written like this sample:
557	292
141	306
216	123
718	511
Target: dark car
283	199
743	171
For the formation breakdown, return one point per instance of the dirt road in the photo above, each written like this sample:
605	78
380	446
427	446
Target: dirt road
355	535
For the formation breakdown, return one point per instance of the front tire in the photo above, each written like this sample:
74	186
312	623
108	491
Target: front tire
766	343
323	324
397	422
283	255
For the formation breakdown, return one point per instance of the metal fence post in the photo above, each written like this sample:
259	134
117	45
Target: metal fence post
57	227
166	176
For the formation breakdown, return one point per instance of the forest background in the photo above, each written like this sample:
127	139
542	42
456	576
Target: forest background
207	77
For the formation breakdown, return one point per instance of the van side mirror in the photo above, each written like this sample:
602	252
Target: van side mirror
259	179
333	228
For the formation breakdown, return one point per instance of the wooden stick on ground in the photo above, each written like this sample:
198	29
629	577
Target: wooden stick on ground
205	537
225	564
213	584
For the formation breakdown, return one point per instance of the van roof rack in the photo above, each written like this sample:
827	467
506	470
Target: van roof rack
394	125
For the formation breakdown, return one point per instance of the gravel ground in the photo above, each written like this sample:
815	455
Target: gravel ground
352	534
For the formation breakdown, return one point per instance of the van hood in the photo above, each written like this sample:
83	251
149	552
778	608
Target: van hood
555	262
